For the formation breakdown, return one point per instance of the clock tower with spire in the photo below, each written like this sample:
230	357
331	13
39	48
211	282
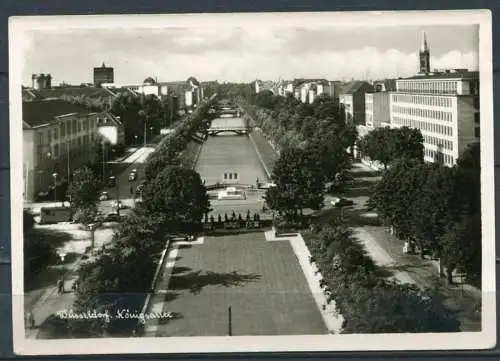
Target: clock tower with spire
424	56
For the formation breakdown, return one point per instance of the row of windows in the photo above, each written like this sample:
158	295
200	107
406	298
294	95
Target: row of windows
72	126
59	149
438	142
423	100
425	126
439	86
445	158
423	113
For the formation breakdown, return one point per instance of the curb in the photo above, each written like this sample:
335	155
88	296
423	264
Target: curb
151	292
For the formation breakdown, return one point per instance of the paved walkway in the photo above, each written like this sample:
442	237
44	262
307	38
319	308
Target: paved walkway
380	256
51	302
157	301
45	301
333	320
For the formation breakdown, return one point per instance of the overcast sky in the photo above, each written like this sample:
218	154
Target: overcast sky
245	54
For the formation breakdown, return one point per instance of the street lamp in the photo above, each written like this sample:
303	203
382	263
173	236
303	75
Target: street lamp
55	186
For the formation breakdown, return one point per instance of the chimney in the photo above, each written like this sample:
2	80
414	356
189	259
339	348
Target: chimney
33	79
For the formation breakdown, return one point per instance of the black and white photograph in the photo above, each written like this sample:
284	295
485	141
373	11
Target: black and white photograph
252	182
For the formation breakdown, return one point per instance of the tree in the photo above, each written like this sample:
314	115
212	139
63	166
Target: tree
180	195
386	145
434	204
106	283
84	196
39	251
462	246
299	182
395	308
407	143
376	145
469	179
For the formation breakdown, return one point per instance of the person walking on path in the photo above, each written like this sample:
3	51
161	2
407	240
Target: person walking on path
60	286
30	320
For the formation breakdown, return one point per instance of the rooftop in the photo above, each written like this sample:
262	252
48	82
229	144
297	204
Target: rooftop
353	86
447	75
40	112
89	92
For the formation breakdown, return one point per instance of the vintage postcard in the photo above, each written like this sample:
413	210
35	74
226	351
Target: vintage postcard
252	182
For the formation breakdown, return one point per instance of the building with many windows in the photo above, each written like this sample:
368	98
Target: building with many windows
352	98
58	136
443	105
377	109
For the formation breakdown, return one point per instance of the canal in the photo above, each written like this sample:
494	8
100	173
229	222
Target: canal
229	153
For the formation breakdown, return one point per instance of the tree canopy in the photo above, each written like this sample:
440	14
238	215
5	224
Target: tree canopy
389	144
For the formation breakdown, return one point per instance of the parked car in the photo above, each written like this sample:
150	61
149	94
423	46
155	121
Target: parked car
50	215
118	205
132	176
341	202
111	181
104	196
112	217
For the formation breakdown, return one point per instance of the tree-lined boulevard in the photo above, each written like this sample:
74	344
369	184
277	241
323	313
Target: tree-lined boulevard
435	210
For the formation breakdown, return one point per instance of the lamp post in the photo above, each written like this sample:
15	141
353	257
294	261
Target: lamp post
55	186
67	161
103	161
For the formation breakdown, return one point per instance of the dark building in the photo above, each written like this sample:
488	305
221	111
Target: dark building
41	81
424	57
103	74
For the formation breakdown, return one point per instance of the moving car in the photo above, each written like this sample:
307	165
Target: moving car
132	176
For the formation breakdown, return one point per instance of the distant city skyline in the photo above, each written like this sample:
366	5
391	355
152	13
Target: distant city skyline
243	54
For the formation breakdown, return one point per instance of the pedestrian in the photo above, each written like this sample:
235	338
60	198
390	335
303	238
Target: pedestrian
60	286
31	320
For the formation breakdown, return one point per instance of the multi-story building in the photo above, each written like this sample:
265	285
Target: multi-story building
41	81
444	106
377	109
103	74
59	136
352	98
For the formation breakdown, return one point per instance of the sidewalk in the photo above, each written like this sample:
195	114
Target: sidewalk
51	302
45	301
380	256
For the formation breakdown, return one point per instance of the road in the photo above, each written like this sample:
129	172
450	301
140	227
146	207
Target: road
122	170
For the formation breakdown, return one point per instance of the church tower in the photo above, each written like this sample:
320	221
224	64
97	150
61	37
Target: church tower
424	56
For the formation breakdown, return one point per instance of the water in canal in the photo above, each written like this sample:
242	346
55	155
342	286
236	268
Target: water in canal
229	153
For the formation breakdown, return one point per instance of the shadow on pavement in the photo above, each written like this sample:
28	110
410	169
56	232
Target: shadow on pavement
195	281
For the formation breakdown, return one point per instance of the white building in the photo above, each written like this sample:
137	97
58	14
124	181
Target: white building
58	136
444	106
